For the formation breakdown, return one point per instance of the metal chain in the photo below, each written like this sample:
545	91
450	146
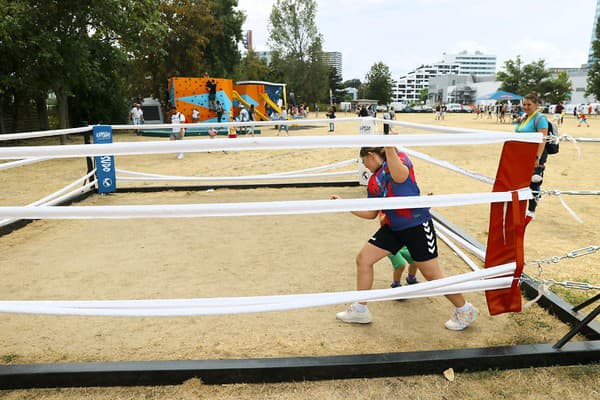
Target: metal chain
551	282
573	192
584	251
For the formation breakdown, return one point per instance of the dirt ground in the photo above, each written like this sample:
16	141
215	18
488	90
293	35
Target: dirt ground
248	256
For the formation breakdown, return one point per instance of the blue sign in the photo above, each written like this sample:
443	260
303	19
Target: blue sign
105	165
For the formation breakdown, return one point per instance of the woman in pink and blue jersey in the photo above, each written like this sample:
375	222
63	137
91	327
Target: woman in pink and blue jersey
393	176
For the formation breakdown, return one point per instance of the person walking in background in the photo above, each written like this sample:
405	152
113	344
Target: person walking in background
583	118
232	133
558	113
363	111
136	115
331	115
178	132
244	117
251	117
393	176
220	111
283	116
195	115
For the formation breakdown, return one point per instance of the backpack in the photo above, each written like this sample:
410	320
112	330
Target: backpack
552	145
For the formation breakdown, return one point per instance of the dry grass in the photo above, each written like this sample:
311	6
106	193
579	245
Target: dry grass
149	259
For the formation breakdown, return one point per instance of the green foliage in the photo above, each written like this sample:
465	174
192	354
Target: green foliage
423	95
292	29
534	77
593	76
335	85
555	90
379	83
96	56
297	53
353	83
252	67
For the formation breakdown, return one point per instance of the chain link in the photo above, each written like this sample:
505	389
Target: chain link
584	251
554	192
568	284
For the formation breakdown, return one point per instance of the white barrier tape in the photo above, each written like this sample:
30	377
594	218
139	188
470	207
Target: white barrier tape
39	134
234	178
258	208
458	251
322	168
477	252
448	165
570	210
19	163
206	125
236	305
84	189
265	143
153	177
434	128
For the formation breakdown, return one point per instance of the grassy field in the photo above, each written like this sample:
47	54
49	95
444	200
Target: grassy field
171	258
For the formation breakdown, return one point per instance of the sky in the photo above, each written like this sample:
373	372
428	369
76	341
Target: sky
404	34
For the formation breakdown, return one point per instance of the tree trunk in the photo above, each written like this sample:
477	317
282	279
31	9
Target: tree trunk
2	123
63	114
42	111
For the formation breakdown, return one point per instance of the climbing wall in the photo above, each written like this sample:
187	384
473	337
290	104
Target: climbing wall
190	93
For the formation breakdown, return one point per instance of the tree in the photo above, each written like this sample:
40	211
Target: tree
379	83
296	48
222	53
71	48
556	90
523	79
423	95
335	85
593	76
252	67
511	79
292	29
353	83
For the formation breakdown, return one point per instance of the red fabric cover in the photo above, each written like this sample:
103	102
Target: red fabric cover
514	172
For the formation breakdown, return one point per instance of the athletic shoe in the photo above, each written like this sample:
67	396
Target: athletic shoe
536	178
411	280
351	315
529	216
460	320
395	284
179	156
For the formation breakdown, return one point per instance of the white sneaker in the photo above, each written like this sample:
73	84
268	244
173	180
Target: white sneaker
536	178
352	315
179	156
460	320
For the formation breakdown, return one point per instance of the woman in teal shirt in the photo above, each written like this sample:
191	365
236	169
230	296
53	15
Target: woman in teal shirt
534	121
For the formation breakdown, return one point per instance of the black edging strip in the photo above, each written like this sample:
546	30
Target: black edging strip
154	373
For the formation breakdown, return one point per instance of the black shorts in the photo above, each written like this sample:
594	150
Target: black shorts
420	240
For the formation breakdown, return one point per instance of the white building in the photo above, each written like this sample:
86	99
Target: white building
472	64
463	64
591	52
410	85
333	59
